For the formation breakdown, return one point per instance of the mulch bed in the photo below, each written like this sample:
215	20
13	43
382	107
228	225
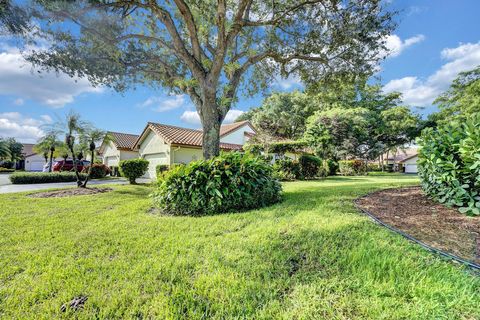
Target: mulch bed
69	192
411	211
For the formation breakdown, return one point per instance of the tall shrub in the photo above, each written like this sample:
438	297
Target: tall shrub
133	169
230	182
352	167
449	164
311	167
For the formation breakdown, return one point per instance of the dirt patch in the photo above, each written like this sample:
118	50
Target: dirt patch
70	192
410	210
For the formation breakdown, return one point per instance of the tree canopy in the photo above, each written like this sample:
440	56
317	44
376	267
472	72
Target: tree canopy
210	50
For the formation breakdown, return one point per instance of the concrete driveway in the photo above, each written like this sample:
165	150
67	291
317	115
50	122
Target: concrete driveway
4	179
10	188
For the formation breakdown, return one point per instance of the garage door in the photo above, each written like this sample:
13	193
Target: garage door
154	160
36	165
411	168
111	161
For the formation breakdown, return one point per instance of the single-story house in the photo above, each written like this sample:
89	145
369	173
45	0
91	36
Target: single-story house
119	147
31	161
165	144
402	159
409	164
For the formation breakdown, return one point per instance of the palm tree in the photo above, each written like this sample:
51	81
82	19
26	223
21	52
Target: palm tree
47	146
91	137
4	150
72	127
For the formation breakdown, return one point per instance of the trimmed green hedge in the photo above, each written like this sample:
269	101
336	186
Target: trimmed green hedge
6	170
133	169
230	182
98	171
449	164
43	177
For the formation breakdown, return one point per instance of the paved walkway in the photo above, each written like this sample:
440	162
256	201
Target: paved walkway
4	179
10	188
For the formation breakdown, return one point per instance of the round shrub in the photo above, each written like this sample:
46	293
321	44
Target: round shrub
98	171
310	166
449	164
286	169
230	182
161	169
352	167
133	169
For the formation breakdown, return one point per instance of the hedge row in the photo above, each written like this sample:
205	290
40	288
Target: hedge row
307	167
449	164
43	177
6	170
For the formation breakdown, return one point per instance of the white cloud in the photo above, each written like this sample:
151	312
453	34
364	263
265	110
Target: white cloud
288	83
19	102
19	79
162	104
395	45
417	92
192	117
22	128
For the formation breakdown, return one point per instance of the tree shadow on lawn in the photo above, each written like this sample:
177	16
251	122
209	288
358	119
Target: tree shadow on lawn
344	270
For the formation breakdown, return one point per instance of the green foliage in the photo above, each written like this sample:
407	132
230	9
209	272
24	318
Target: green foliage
230	182
6	170
287	169
373	167
449	164
15	149
332	167
115	171
280	148
461	100
312	167
7	164
43	177
352	167
161	169
97	171
133	169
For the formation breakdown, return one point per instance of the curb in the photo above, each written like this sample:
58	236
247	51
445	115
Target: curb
425	246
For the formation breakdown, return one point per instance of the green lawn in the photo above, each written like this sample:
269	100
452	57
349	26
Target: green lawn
311	257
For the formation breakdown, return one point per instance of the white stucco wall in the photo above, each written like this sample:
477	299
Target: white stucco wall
125	155
34	163
238	136
186	155
410	165
154	149
110	155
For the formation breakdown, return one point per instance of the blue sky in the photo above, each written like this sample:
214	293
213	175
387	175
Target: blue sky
434	41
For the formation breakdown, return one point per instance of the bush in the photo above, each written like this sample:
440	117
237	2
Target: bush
98	171
133	169
230	182
5	170
114	171
7	164
351	167
332	167
161	169
286	169
373	167
311	167
44	177
449	164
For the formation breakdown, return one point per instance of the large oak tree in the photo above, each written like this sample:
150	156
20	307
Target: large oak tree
209	49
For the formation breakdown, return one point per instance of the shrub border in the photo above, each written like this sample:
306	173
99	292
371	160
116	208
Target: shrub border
425	246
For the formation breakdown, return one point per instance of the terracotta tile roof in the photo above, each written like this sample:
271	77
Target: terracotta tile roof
123	140
402	155
185	136
227	128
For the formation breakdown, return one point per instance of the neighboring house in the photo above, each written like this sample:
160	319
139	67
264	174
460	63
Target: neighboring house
119	147
409	164
31	161
402	159
167	145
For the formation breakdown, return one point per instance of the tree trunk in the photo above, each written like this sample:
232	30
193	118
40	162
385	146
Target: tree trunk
84	184
211	121
51	162
74	159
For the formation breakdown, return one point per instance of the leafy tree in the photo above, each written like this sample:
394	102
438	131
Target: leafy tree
209	49
13	19
461	100
283	115
42	148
